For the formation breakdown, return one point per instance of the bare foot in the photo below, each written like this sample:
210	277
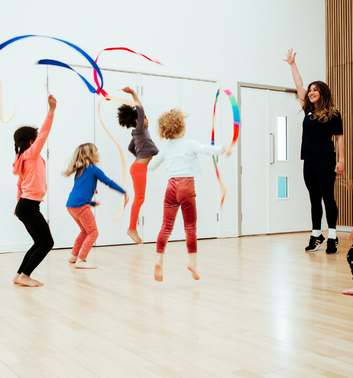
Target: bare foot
24	280
193	271
81	264
15	278
347	291
134	236
158	271
72	259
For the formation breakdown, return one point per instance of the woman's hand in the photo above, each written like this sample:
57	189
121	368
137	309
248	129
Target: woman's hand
290	57
52	104
339	169
97	204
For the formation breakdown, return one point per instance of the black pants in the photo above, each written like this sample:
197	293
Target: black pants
320	180
28	213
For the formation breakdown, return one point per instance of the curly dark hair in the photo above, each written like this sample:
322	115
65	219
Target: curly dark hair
127	116
22	137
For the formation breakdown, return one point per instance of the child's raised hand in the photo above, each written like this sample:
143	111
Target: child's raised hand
126	199
290	57
52	104
128	90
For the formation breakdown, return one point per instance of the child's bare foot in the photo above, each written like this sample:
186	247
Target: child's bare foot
193	271
82	264
158	268
25	280
134	236
15	278
347	291
72	259
192	266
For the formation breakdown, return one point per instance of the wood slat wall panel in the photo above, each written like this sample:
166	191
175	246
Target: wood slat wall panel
339	75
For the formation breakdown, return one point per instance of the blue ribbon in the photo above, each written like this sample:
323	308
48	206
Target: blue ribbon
60	64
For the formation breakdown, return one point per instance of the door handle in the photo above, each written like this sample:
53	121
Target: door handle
272	149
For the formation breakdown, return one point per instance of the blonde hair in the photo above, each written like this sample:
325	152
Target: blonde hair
82	158
170	124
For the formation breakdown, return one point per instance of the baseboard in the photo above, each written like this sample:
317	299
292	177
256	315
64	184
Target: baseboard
21	247
344	228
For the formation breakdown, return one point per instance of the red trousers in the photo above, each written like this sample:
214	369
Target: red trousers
138	174
180	192
84	218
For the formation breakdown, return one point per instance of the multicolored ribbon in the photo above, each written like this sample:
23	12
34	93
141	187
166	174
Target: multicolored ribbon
236	122
60	64
11	115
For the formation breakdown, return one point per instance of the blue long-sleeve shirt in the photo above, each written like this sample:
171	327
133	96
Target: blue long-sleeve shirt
86	185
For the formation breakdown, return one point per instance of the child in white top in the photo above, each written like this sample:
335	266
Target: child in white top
182	164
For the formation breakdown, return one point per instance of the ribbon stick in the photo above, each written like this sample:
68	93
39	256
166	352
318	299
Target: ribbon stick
236	122
123	163
11	115
60	64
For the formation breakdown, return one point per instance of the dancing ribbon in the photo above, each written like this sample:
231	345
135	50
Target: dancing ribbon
11	115
60	64
123	163
102	91
236	122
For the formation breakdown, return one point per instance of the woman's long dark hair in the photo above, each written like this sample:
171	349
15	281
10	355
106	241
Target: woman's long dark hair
326	108
127	116
22	137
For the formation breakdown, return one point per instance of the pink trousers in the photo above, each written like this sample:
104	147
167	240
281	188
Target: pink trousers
84	217
180	192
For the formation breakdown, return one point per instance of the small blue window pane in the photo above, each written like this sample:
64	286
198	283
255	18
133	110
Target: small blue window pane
282	187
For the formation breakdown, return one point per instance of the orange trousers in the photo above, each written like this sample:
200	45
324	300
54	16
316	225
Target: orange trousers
138	174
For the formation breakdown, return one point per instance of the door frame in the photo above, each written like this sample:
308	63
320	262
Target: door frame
240	85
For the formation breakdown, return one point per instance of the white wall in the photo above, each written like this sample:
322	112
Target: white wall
230	40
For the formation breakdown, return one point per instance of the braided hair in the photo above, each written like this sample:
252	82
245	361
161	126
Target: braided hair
127	116
22	137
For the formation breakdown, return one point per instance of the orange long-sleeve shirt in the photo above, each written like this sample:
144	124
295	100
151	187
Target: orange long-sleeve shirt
30	166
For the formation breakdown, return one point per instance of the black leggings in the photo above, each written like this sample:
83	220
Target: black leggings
320	180
28	213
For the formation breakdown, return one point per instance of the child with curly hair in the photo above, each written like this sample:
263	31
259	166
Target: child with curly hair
182	164
83	164
144	149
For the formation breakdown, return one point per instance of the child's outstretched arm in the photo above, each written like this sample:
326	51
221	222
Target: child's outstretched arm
156	161
106	180
140	112
134	96
38	144
198	148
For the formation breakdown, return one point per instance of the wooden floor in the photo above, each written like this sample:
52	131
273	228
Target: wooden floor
262	308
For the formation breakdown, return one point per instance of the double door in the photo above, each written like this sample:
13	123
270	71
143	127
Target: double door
274	198
77	122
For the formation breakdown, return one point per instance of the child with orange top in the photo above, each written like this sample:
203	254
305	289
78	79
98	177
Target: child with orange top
32	187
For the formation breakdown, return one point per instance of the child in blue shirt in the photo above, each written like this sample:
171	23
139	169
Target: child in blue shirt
83	163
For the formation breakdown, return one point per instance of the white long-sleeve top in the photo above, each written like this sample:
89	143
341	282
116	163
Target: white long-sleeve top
180	157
